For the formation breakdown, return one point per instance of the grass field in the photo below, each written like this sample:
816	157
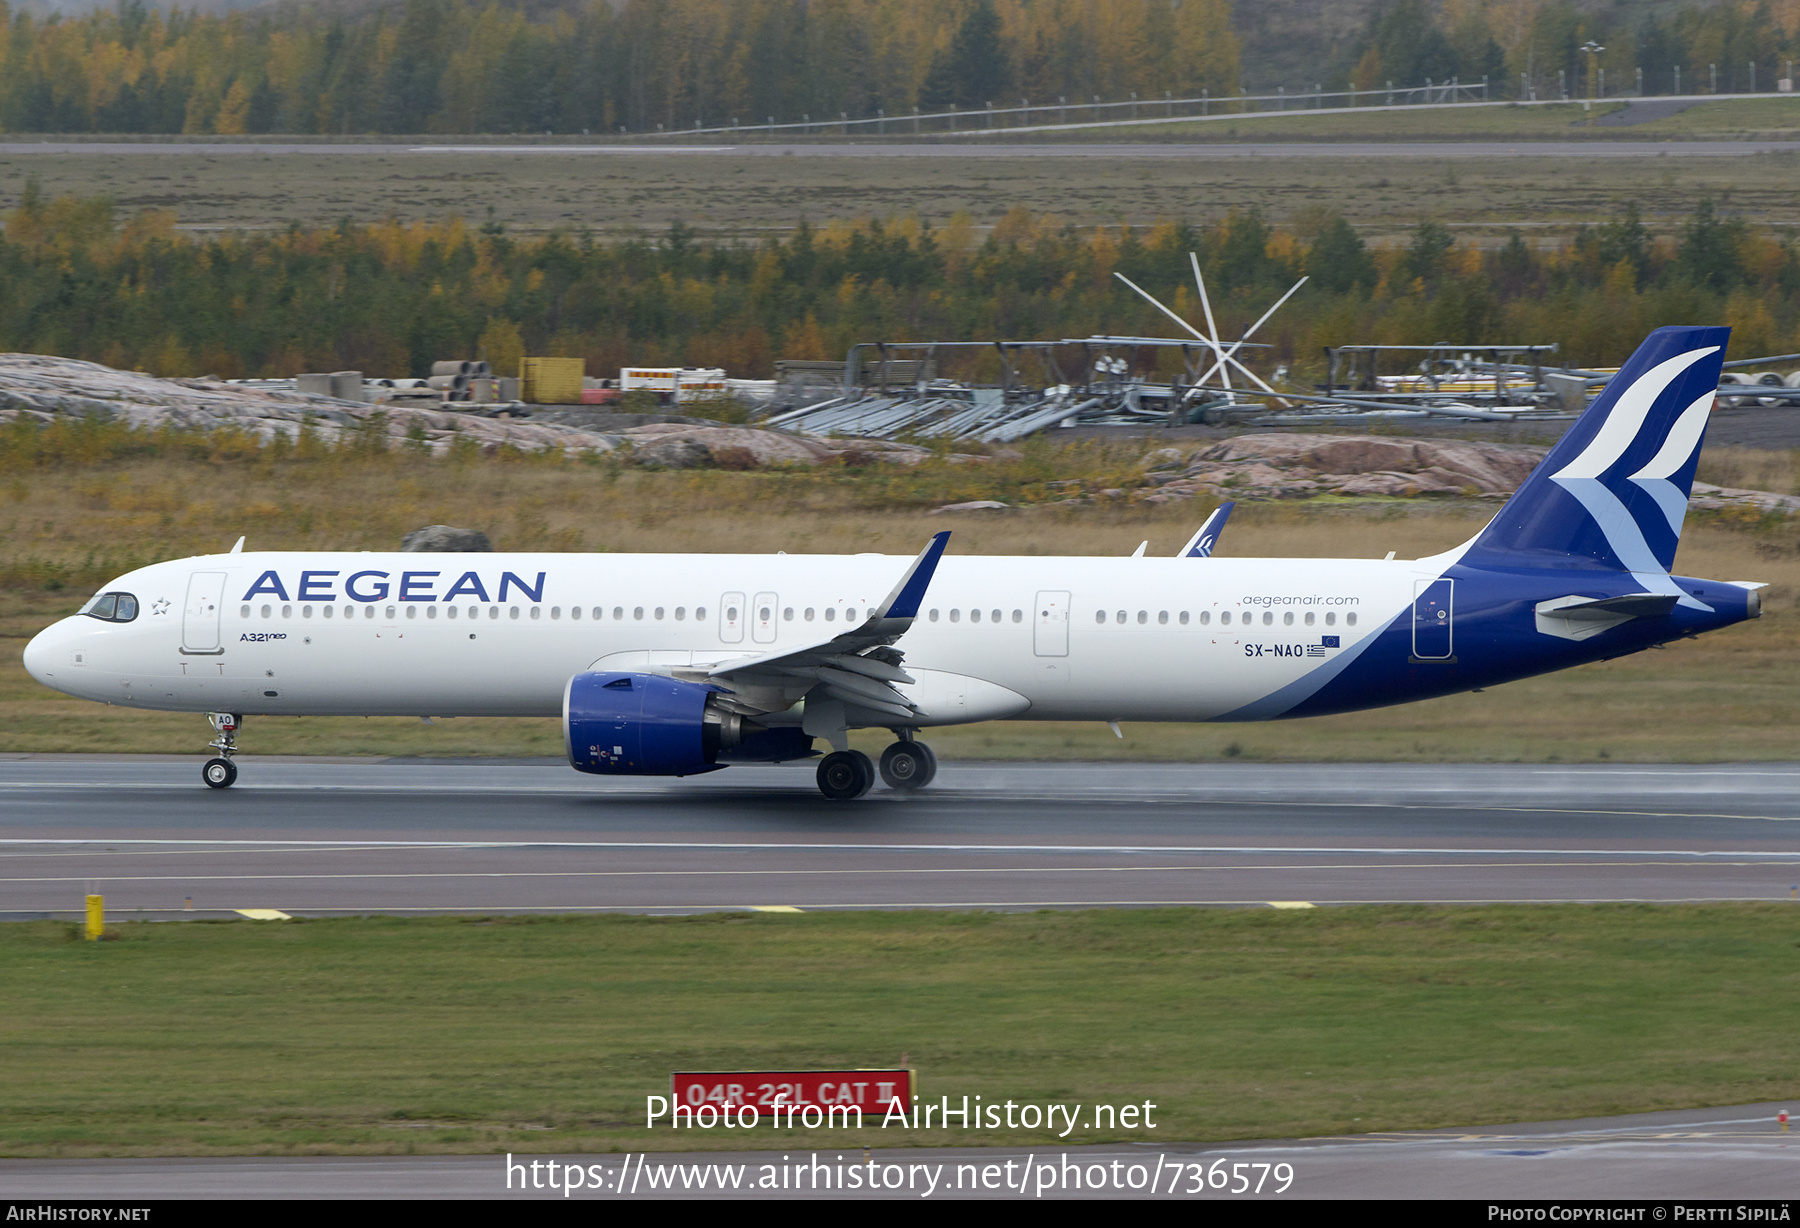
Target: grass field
1738	691
750	196
545	1034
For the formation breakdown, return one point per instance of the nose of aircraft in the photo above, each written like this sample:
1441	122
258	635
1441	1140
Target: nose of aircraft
41	653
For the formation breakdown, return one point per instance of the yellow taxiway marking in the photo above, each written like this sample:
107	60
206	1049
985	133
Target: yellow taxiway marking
773	908
1291	904
263	914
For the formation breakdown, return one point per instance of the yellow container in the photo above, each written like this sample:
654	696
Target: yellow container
96	917
551	381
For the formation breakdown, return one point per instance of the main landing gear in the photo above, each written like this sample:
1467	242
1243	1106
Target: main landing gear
220	772
846	775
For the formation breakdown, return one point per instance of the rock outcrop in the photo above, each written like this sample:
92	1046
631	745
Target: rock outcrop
45	388
445	539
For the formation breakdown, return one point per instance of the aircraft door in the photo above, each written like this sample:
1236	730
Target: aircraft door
1050	637
731	618
200	620
1433	614
763	616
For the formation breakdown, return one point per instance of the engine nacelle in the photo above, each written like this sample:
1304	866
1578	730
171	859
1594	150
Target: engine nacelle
625	724
639	725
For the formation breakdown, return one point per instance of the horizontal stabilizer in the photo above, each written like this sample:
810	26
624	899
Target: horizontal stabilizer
1581	618
1632	605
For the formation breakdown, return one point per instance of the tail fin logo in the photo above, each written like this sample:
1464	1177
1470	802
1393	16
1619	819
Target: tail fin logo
1582	476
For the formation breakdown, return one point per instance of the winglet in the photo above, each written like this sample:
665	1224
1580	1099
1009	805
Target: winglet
238	548
904	601
1201	544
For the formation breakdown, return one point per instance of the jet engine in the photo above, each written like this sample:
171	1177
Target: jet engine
620	724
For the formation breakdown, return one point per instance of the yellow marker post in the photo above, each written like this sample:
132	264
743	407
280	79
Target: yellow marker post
96	917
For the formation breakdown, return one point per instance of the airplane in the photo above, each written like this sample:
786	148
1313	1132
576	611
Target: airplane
675	665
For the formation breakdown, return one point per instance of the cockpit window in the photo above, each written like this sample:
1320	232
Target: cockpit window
112	607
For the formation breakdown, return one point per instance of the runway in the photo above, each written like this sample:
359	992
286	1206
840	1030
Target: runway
976	149
321	838
1736	1152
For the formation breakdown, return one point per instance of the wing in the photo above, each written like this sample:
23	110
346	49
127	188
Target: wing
1200	545
854	668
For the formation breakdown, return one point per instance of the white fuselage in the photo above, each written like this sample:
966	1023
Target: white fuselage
1036	637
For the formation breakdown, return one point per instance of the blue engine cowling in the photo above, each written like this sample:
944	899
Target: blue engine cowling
617	724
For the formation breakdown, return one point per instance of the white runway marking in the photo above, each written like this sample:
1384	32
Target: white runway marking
1267	850
934	871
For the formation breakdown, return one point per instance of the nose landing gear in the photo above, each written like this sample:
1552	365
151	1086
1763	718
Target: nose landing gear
220	772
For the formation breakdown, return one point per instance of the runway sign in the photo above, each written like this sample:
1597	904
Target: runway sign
781	1093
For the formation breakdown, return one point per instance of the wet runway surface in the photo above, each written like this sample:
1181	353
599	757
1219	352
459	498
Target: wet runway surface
325	838
973	148
1731	1153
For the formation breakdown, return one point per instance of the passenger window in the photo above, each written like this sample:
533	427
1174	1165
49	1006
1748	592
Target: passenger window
934	615
287	611
555	611
449	611
637	612
1018	616
680	613
536	611
618	612
1287	619
1100	616
243	613
1224	618
831	614
809	615
974	616
955	615
1143	617
412	611
1162	617
659	613
994	616
1119	617
1331	620
787	615
730	613
266	611
574	613
390	612
1309	618
326	611
700	613
1349	620
1184	618
512	611
1268	618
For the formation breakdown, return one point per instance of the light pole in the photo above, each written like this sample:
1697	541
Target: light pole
1593	50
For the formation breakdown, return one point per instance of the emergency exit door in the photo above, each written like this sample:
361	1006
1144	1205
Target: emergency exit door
1050	636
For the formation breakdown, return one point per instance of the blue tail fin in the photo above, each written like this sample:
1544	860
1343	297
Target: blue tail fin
1613	493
